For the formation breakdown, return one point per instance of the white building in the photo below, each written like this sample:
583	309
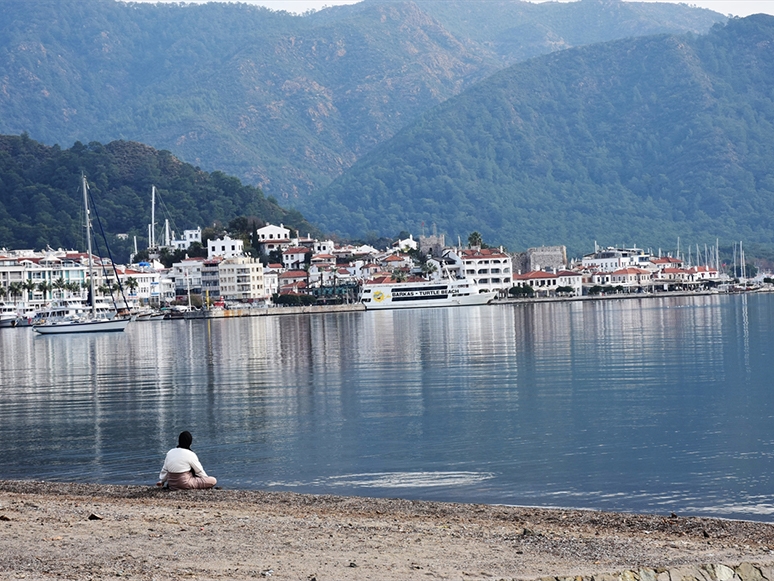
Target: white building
211	279
294	258
271	281
271	238
225	248
34	278
189	237
349	252
322	275
323	259
406	244
547	283
611	259
323	246
488	268
187	275
154	287
271	232
631	277
12	270
65	275
241	279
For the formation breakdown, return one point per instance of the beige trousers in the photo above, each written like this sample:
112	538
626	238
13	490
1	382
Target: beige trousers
186	480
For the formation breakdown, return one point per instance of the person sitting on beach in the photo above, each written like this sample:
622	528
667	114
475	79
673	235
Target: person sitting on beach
182	469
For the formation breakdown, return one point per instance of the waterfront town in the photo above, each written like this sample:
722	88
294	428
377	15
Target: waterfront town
298	270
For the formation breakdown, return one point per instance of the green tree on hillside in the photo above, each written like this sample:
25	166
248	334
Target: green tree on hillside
39	185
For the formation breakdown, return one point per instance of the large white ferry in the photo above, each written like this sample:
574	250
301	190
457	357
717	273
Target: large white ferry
423	293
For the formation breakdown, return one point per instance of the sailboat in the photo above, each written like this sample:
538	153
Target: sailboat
85	322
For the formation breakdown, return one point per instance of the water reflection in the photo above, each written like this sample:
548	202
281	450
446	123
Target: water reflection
653	404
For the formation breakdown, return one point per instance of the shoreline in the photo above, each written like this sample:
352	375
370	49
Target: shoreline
359	307
92	531
626	296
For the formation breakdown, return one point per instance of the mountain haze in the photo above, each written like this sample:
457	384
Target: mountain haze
632	141
284	102
517	31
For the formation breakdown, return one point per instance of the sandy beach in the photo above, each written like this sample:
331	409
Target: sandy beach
85	531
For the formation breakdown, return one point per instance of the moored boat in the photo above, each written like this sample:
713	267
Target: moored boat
8	319
13	315
149	315
55	323
422	293
81	326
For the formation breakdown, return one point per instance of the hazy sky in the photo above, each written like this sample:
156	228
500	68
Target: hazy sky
734	7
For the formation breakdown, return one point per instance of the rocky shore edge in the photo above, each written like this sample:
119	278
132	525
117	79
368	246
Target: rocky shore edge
93	531
710	572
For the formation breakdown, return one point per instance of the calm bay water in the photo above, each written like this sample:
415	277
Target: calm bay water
652	405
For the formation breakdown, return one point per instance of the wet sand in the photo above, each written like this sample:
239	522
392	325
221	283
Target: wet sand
85	531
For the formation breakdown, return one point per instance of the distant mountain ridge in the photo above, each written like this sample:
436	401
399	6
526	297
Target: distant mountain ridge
517	31
284	102
635	141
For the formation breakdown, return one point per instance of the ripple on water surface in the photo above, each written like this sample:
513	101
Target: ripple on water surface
641	405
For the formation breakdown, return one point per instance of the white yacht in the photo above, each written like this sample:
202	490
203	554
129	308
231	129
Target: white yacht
60	309
8	315
67	318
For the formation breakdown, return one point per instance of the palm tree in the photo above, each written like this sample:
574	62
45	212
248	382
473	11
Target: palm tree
429	268
132	284
45	287
29	285
398	276
3	292
73	287
475	240
60	285
15	289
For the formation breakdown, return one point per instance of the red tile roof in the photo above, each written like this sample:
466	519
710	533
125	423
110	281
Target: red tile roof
294	274
483	253
674	270
535	275
630	270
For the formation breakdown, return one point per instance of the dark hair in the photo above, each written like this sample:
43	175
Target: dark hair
184	440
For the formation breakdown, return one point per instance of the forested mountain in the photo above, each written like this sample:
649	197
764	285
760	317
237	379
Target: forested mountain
632	141
41	201
284	102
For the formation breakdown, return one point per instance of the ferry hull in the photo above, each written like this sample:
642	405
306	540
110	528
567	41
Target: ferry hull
423	295
472	300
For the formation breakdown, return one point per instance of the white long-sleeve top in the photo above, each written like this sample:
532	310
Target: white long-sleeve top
181	460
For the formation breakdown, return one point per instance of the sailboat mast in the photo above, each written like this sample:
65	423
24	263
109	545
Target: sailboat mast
153	218
88	238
